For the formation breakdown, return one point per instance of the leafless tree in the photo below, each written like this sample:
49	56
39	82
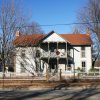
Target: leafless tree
8	22
90	15
32	28
11	20
76	30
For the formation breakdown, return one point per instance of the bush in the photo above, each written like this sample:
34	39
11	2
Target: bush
93	71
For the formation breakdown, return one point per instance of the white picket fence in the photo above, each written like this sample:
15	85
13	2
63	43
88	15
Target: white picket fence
13	75
66	75
80	75
23	76
89	75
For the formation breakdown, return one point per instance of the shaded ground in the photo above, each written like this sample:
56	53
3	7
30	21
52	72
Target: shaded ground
68	93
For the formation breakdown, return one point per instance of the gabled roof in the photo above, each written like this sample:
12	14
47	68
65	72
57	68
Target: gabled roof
54	37
74	39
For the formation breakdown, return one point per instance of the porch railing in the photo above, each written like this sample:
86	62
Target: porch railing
53	54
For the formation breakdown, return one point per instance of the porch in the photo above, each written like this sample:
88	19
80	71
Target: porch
56	49
53	65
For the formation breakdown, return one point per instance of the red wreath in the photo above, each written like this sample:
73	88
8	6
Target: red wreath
57	52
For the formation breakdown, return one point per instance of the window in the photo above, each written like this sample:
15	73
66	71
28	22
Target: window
22	67
83	48
83	52
37	53
52	49
23	53
69	52
83	65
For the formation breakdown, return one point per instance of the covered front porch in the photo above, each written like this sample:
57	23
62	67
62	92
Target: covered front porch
55	64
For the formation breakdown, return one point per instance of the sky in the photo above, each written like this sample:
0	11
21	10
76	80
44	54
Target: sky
50	12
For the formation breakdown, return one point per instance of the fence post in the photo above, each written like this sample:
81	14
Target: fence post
78	75
99	72
47	74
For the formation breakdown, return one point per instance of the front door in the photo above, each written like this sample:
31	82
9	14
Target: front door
53	65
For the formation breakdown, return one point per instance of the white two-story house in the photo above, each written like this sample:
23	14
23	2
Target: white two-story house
52	51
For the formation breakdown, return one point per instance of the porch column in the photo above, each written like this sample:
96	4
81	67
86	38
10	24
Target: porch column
48	63
48	56
66	57
48	46
57	46
57	59
57	50
57	64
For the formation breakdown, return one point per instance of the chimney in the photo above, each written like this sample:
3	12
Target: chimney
88	31
17	33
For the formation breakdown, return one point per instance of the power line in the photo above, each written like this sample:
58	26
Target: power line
68	24
48	25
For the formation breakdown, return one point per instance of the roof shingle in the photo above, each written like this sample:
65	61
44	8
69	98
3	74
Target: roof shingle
78	39
24	40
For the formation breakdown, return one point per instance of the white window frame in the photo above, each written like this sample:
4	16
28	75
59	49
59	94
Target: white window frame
83	67
22	68
83	52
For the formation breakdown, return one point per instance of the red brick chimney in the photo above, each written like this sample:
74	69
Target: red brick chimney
17	33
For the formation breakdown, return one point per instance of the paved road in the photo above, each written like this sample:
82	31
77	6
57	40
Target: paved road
62	94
